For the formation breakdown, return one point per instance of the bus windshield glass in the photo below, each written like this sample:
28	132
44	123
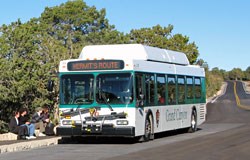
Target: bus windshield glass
114	88
77	89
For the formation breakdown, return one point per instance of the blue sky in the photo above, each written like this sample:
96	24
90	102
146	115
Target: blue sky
220	28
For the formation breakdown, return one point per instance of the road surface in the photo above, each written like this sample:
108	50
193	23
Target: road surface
225	135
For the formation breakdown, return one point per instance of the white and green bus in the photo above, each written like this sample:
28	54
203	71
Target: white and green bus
129	90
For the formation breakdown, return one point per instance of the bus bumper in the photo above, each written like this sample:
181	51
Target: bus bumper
96	131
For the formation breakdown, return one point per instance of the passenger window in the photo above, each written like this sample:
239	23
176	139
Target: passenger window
171	90
190	88
181	90
197	88
149	84
161	86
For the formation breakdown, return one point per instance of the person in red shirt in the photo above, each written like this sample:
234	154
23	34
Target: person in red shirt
161	100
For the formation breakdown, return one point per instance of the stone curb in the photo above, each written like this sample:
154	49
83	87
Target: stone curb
8	136
21	146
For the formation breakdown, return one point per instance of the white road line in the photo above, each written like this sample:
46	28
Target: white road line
214	99
223	92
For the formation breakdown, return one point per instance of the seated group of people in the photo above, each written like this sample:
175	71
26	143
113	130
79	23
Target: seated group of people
25	127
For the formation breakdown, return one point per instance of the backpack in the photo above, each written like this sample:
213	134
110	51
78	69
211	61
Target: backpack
49	129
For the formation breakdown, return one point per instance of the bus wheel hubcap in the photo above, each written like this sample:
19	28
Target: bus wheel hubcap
193	123
148	128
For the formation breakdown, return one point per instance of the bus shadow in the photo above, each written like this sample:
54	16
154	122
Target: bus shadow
118	140
97	140
173	133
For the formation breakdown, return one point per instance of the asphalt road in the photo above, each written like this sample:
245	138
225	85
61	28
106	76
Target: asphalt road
225	135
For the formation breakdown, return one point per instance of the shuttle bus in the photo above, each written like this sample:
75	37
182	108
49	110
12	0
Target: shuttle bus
129	90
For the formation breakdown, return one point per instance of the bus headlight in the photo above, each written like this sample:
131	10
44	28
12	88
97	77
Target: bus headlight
122	122
71	122
66	122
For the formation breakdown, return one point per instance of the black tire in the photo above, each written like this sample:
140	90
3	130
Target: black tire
193	125
148	133
65	140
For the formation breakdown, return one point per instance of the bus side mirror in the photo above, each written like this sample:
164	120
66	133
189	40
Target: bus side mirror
50	85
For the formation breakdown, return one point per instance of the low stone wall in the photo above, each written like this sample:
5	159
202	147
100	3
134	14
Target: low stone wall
21	146
11	136
8	137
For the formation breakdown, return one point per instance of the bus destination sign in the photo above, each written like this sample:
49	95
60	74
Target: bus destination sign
95	65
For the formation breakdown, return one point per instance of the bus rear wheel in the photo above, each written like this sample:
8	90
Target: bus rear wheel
193	126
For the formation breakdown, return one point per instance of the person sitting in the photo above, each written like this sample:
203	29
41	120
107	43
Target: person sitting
24	121
161	100
45	116
15	128
49	127
38	120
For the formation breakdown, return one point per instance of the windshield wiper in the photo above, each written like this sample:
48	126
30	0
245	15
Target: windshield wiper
105	99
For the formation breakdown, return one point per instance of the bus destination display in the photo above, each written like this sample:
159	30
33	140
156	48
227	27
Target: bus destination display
95	65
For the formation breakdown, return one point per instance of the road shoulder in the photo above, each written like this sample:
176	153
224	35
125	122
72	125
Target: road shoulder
218	94
246	86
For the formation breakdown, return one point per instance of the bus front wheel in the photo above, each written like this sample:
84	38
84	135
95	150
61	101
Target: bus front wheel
149	135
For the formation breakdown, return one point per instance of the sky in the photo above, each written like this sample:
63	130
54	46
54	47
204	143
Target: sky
220	28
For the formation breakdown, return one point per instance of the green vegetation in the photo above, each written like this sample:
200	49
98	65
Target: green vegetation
215	77
30	52
161	37
214	80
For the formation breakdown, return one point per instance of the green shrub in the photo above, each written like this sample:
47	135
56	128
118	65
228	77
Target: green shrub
213	82
3	127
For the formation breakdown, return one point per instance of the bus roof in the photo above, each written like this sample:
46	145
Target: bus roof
133	52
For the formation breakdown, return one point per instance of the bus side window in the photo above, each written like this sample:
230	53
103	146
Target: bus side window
181	90
139	89
171	90
197	88
161	87
190	88
149	85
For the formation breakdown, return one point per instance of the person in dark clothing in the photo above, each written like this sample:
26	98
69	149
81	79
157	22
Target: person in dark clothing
24	121
49	126
38	120
45	117
14	127
42	121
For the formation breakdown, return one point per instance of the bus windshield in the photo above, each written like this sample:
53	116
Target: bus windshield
77	89
114	88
